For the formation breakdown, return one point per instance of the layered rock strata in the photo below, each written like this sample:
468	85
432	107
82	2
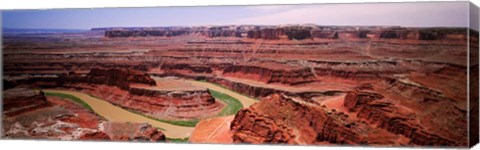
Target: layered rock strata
395	119
282	76
18	100
282	119
297	32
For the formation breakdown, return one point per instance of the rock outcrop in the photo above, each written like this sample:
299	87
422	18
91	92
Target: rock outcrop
282	119
121	78
254	91
132	132
259	92
61	119
395	119
271	75
95	136
18	100
161	104
186	68
250	127
359	70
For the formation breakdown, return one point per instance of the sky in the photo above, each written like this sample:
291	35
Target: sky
424	14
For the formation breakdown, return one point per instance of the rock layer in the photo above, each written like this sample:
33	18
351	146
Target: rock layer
297	32
282	119
370	107
18	100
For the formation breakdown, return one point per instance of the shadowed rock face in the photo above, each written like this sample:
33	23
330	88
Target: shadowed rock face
121	78
18	100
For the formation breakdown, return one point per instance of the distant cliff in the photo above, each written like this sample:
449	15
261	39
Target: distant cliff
294	32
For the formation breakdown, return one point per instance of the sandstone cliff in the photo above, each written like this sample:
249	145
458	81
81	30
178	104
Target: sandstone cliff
393	118
283	119
121	78
271	75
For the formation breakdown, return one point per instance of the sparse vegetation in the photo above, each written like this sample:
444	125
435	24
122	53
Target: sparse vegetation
232	104
93	96
178	140
232	107
185	123
226	88
70	97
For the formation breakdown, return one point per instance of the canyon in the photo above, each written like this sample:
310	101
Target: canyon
60	118
292	84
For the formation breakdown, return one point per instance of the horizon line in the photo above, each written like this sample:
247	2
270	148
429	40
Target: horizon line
237	25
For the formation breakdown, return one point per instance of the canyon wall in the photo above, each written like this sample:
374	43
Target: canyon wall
18	100
121	78
282	119
297	32
268	75
372	108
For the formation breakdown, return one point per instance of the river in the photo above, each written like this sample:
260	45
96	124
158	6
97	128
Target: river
118	114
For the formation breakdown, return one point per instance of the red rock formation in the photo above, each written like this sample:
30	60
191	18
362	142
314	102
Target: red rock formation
268	75
243	88
213	130
121	78
95	136
249	127
62	119
139	97
167	104
354	99
186	68
281	119
359	70
269	34
18	100
474	83
424	68
417	92
258	91
394	119
324	34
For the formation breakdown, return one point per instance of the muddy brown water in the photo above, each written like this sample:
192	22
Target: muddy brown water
117	114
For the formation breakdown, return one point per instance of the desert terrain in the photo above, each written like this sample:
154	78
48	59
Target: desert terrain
283	84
